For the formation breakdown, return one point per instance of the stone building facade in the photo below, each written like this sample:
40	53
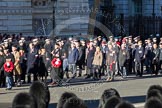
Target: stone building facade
16	16
71	17
40	17
138	16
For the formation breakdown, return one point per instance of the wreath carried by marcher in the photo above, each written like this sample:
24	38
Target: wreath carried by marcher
8	66
56	62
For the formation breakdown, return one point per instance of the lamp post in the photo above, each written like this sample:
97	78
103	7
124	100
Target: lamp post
121	24
153	15
53	15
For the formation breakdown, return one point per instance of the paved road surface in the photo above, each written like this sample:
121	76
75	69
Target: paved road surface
132	89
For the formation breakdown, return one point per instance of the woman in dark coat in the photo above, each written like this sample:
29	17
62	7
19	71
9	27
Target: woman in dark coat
32	60
123	60
2	76
90	56
42	70
23	60
56	68
81	57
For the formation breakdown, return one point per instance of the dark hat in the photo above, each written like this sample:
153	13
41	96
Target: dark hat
91	39
14	45
42	47
21	48
20	41
58	40
116	37
103	39
111	36
5	40
126	37
57	44
130	36
34	40
47	40
99	36
81	39
5	49
75	40
135	38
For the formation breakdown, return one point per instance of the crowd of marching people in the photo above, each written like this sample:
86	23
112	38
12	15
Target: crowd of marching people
22	57
39	97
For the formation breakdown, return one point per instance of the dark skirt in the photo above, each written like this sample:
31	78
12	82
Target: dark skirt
56	74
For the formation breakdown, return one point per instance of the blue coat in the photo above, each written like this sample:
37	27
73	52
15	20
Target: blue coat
73	56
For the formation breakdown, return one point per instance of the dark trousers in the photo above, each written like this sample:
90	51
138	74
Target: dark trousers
89	71
96	72
56	75
23	73
159	64
129	66
139	68
17	78
80	69
2	79
123	70
34	77
155	67
133	67
103	69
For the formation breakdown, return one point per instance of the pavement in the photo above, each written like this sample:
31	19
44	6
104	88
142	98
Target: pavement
132	89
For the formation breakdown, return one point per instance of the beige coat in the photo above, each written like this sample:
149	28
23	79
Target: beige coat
17	68
97	59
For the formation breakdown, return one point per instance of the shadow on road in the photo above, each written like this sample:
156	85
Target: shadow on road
95	103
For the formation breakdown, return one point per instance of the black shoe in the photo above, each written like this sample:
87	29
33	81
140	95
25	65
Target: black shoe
79	75
88	76
72	77
94	78
18	84
68	80
8	88
85	75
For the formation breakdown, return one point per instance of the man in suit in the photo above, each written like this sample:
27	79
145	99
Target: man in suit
139	56
72	59
32	62
155	58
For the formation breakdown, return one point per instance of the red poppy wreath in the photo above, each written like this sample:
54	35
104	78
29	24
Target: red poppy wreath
8	66
56	62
